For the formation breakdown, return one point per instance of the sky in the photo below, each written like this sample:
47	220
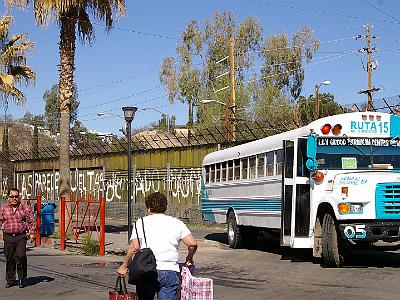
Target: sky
122	67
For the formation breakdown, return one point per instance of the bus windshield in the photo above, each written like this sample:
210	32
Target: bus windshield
358	153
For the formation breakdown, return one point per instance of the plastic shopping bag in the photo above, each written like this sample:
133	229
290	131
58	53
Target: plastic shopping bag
195	288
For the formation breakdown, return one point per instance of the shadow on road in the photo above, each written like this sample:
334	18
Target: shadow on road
217	237
354	258
38	279
116	228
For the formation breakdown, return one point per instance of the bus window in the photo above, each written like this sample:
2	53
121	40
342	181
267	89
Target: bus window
230	170
236	173
289	158
207	176
223	171
278	161
244	168
252	167
302	170
212	173
270	164
261	165
218	172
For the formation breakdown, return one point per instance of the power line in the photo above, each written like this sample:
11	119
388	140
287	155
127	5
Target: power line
102	25
108	83
306	66
127	97
317	11
382	11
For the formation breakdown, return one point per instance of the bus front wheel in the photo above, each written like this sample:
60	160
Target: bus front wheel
234	233
331	252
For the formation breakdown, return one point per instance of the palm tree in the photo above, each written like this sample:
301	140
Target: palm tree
73	18
13	69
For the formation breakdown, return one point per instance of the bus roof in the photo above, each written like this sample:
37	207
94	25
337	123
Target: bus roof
357	124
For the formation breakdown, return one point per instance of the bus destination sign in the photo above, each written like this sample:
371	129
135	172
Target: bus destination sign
341	141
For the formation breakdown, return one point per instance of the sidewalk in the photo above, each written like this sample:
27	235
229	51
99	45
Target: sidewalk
116	241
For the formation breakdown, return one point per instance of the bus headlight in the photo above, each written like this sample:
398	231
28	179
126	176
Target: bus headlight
356	208
350	208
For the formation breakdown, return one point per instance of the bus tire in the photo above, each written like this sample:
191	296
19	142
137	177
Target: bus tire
235	238
331	252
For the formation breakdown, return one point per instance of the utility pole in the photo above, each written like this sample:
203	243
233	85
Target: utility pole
369	91
316	112
369	106
233	94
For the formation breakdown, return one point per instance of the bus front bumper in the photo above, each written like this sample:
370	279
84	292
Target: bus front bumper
368	231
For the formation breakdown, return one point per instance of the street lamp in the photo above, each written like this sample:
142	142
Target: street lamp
162	114
317	86
129	114
205	101
104	114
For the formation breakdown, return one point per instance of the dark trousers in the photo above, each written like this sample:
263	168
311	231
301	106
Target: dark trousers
15	253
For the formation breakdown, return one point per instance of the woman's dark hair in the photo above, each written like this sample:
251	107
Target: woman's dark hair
12	190
156	202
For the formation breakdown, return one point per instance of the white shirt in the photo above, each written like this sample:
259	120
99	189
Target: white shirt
163	235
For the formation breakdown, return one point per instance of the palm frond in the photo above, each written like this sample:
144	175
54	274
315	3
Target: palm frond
10	91
85	28
23	74
5	22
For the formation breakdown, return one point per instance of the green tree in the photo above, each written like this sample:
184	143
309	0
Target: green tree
265	95
275	100
52	108
283	61
31	119
192	76
73	19
327	107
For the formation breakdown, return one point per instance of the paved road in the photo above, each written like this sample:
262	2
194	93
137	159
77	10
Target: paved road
265	272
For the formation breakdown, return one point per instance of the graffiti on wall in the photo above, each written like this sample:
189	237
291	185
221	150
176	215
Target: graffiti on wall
46	183
4	187
180	182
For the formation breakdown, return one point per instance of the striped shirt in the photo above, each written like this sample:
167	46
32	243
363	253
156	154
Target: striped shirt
18	221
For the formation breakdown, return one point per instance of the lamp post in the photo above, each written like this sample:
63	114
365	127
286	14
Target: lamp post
129	114
162	114
226	114
317	86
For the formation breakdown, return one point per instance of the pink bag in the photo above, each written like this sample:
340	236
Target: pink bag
195	288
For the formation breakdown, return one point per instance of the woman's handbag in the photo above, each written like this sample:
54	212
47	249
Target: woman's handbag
143	264
195	288
120	292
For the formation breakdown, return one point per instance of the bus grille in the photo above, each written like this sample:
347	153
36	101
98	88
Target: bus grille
387	200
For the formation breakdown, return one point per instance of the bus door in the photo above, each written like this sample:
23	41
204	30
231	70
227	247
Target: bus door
295	217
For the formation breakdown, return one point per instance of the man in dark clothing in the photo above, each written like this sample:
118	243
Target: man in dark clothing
16	220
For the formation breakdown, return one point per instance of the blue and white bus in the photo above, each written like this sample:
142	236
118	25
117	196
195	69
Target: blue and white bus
328	186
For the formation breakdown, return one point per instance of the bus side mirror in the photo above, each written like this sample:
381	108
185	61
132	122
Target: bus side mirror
312	163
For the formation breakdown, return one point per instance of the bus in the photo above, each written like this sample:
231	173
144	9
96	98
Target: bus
330	186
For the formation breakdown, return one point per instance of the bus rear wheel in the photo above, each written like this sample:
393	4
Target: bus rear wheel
235	238
331	251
